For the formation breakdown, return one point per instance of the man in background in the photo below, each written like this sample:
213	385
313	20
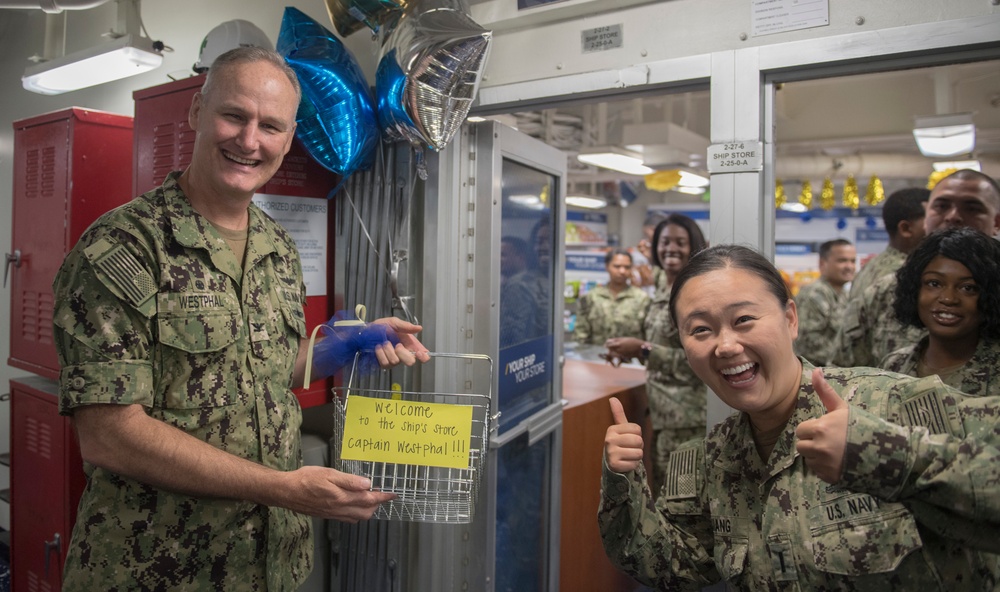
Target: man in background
903	216
870	330
821	303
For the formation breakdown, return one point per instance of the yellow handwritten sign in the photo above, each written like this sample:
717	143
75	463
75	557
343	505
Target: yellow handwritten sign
407	432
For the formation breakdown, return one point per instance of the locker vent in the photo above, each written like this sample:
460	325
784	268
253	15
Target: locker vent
163	151
36	321
39	172
173	144
38	438
31	167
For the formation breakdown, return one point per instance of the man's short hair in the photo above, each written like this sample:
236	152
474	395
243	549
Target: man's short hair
825	248
904	205
974	175
244	55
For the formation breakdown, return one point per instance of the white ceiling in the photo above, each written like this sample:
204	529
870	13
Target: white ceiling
857	125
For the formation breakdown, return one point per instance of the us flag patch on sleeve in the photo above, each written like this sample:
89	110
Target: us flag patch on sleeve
123	270
927	410
682	474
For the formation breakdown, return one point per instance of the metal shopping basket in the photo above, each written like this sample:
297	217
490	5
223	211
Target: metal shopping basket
425	493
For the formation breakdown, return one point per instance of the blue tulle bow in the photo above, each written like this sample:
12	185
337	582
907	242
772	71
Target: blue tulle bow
346	336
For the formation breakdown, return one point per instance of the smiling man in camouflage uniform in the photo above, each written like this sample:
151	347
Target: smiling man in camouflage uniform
821	303
178	322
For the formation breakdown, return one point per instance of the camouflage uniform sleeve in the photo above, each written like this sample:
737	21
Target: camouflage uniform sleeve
668	357
666	545
852	346
947	472
582	332
814	320
104	299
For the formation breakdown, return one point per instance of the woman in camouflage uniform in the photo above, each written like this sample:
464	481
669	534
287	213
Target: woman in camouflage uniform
950	285
617	308
676	396
861	479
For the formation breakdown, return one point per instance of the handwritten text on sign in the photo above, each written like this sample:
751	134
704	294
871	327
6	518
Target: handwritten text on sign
407	432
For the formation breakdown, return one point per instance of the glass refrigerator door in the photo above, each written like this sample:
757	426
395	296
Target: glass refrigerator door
527	367
494	226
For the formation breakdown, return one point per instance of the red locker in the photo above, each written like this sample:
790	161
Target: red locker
47	479
67	172
164	142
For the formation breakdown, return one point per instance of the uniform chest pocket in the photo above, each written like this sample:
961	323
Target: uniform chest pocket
730	554
199	361
731	546
280	334
197	322
859	534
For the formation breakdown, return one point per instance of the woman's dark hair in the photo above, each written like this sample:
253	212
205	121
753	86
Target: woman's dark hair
695	236
971	248
611	254
725	256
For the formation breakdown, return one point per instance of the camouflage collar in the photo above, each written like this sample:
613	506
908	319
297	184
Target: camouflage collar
193	230
737	452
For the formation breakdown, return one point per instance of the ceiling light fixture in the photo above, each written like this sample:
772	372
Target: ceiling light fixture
527	200
614	158
945	135
690	190
127	53
119	58
592	202
693	180
958	164
794	207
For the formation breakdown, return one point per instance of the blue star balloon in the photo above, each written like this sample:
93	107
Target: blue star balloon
336	118
429	71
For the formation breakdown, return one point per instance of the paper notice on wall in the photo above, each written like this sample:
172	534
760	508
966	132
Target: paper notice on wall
777	16
305	218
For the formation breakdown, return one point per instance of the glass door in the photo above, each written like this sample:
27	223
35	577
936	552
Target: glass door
492	284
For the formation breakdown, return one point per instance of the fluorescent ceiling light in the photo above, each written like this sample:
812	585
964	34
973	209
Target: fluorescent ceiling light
475	119
693	180
586	201
945	135
122	57
690	190
958	164
614	158
528	200
794	206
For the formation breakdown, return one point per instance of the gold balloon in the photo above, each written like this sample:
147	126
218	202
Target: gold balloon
348	16
806	195
780	197
663	180
875	194
851	198
827	198
936	177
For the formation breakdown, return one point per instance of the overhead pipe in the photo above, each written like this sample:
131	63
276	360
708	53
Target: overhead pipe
52	6
886	166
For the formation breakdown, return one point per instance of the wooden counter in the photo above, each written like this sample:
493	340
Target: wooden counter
587	386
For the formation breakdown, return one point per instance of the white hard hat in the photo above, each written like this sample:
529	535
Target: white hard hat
226	36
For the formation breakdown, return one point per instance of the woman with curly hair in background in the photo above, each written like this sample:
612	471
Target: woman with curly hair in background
950	285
